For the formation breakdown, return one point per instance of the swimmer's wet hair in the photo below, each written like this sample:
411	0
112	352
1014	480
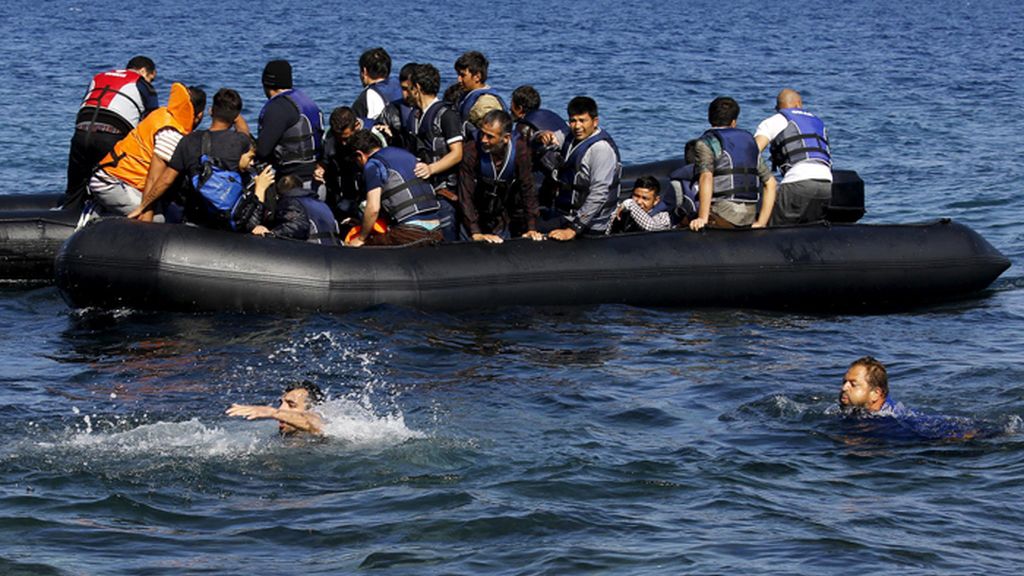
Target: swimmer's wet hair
316	395
875	373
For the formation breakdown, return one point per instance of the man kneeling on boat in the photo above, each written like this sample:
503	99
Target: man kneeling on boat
394	193
137	161
294	414
216	164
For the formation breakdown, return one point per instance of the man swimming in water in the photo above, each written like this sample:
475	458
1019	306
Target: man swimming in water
865	385
293	415
865	392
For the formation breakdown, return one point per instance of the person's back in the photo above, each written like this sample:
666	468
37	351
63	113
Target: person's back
799	149
396	194
114	104
215	174
118	185
730	173
380	88
300	215
291	126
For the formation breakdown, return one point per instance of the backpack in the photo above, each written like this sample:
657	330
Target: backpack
219	186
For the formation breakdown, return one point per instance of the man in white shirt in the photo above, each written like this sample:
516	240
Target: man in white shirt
798	142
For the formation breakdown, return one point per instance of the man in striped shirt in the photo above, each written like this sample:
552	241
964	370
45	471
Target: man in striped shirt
137	161
644	212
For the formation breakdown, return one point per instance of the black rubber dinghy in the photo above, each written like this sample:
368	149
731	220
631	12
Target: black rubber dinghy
115	263
31	232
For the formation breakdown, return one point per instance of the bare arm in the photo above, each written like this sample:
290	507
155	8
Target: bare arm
762	141
453	157
300	419
706	184
158	180
370	214
767	203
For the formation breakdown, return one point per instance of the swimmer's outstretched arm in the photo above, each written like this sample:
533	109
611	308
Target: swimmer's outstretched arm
303	420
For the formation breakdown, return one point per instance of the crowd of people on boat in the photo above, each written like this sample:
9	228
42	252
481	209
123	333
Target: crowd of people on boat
410	163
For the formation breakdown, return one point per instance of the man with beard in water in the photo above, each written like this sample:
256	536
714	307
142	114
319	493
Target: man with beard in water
293	415
865	395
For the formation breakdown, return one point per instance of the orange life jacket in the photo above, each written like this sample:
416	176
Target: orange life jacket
130	159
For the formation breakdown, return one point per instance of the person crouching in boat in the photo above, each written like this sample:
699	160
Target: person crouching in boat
294	414
115	103
138	160
731	173
216	163
588	180
644	212
496	183
338	169
396	194
300	215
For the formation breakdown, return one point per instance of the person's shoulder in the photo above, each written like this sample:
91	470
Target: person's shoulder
771	126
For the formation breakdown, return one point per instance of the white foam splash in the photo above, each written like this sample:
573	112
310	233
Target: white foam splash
358	425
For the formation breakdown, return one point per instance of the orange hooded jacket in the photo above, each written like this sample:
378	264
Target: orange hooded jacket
130	159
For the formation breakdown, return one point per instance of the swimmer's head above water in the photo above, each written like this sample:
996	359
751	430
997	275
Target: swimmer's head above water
865	385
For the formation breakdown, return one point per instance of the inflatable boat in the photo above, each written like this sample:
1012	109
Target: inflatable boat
116	263
32	229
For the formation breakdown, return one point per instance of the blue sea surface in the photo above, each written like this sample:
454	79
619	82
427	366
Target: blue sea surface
609	439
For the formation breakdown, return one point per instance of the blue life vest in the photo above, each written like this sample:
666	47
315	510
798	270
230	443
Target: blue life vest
220	186
542	119
403	196
466	106
572	194
302	143
492	188
469	100
736	165
390	89
323	228
687	201
431	145
804	138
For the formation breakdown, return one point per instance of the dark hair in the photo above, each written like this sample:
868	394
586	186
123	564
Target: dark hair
288	182
342	118
582	105
427	78
526	97
722	111
475	62
405	73
649	182
499	117
453	93
364	141
690	151
316	395
874	373
377	62
141	63
198	98
227	105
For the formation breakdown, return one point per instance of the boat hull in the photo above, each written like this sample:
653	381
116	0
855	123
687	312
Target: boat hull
116	263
